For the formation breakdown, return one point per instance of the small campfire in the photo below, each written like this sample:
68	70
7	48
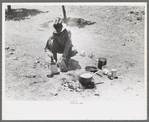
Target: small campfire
72	83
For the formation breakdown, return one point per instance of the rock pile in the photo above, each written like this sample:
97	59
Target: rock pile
72	85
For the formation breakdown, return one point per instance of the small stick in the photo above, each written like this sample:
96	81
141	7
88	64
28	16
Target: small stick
95	73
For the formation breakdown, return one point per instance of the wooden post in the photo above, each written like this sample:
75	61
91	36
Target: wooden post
9	9
64	13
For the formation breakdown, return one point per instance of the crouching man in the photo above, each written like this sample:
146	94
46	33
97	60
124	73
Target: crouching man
60	42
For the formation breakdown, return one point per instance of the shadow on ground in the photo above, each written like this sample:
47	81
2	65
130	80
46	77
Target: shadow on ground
21	14
73	65
72	22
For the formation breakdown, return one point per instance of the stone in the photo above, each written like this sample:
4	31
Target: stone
54	92
96	93
41	29
12	50
71	86
11	53
139	18
82	53
90	55
15	58
7	48
131	12
30	76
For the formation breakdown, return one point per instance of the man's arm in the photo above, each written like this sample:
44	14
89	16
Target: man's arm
47	44
67	44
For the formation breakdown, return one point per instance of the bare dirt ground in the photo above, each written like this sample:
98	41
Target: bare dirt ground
113	32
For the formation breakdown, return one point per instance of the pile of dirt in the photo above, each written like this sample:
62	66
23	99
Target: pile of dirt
78	22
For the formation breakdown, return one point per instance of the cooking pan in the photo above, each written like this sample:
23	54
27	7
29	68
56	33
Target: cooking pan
91	68
86	78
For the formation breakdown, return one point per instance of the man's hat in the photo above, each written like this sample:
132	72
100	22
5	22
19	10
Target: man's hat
57	23
57	20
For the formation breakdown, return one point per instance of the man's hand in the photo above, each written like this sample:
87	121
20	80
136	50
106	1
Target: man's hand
49	54
62	59
74	50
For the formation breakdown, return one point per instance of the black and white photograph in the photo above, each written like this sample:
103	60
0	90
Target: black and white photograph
75	53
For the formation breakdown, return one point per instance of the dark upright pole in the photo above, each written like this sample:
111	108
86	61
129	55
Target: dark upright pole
64	13
9	9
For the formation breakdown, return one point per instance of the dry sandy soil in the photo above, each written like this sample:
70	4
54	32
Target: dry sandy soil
113	32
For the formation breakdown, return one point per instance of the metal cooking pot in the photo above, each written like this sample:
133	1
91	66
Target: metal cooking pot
101	62
86	78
